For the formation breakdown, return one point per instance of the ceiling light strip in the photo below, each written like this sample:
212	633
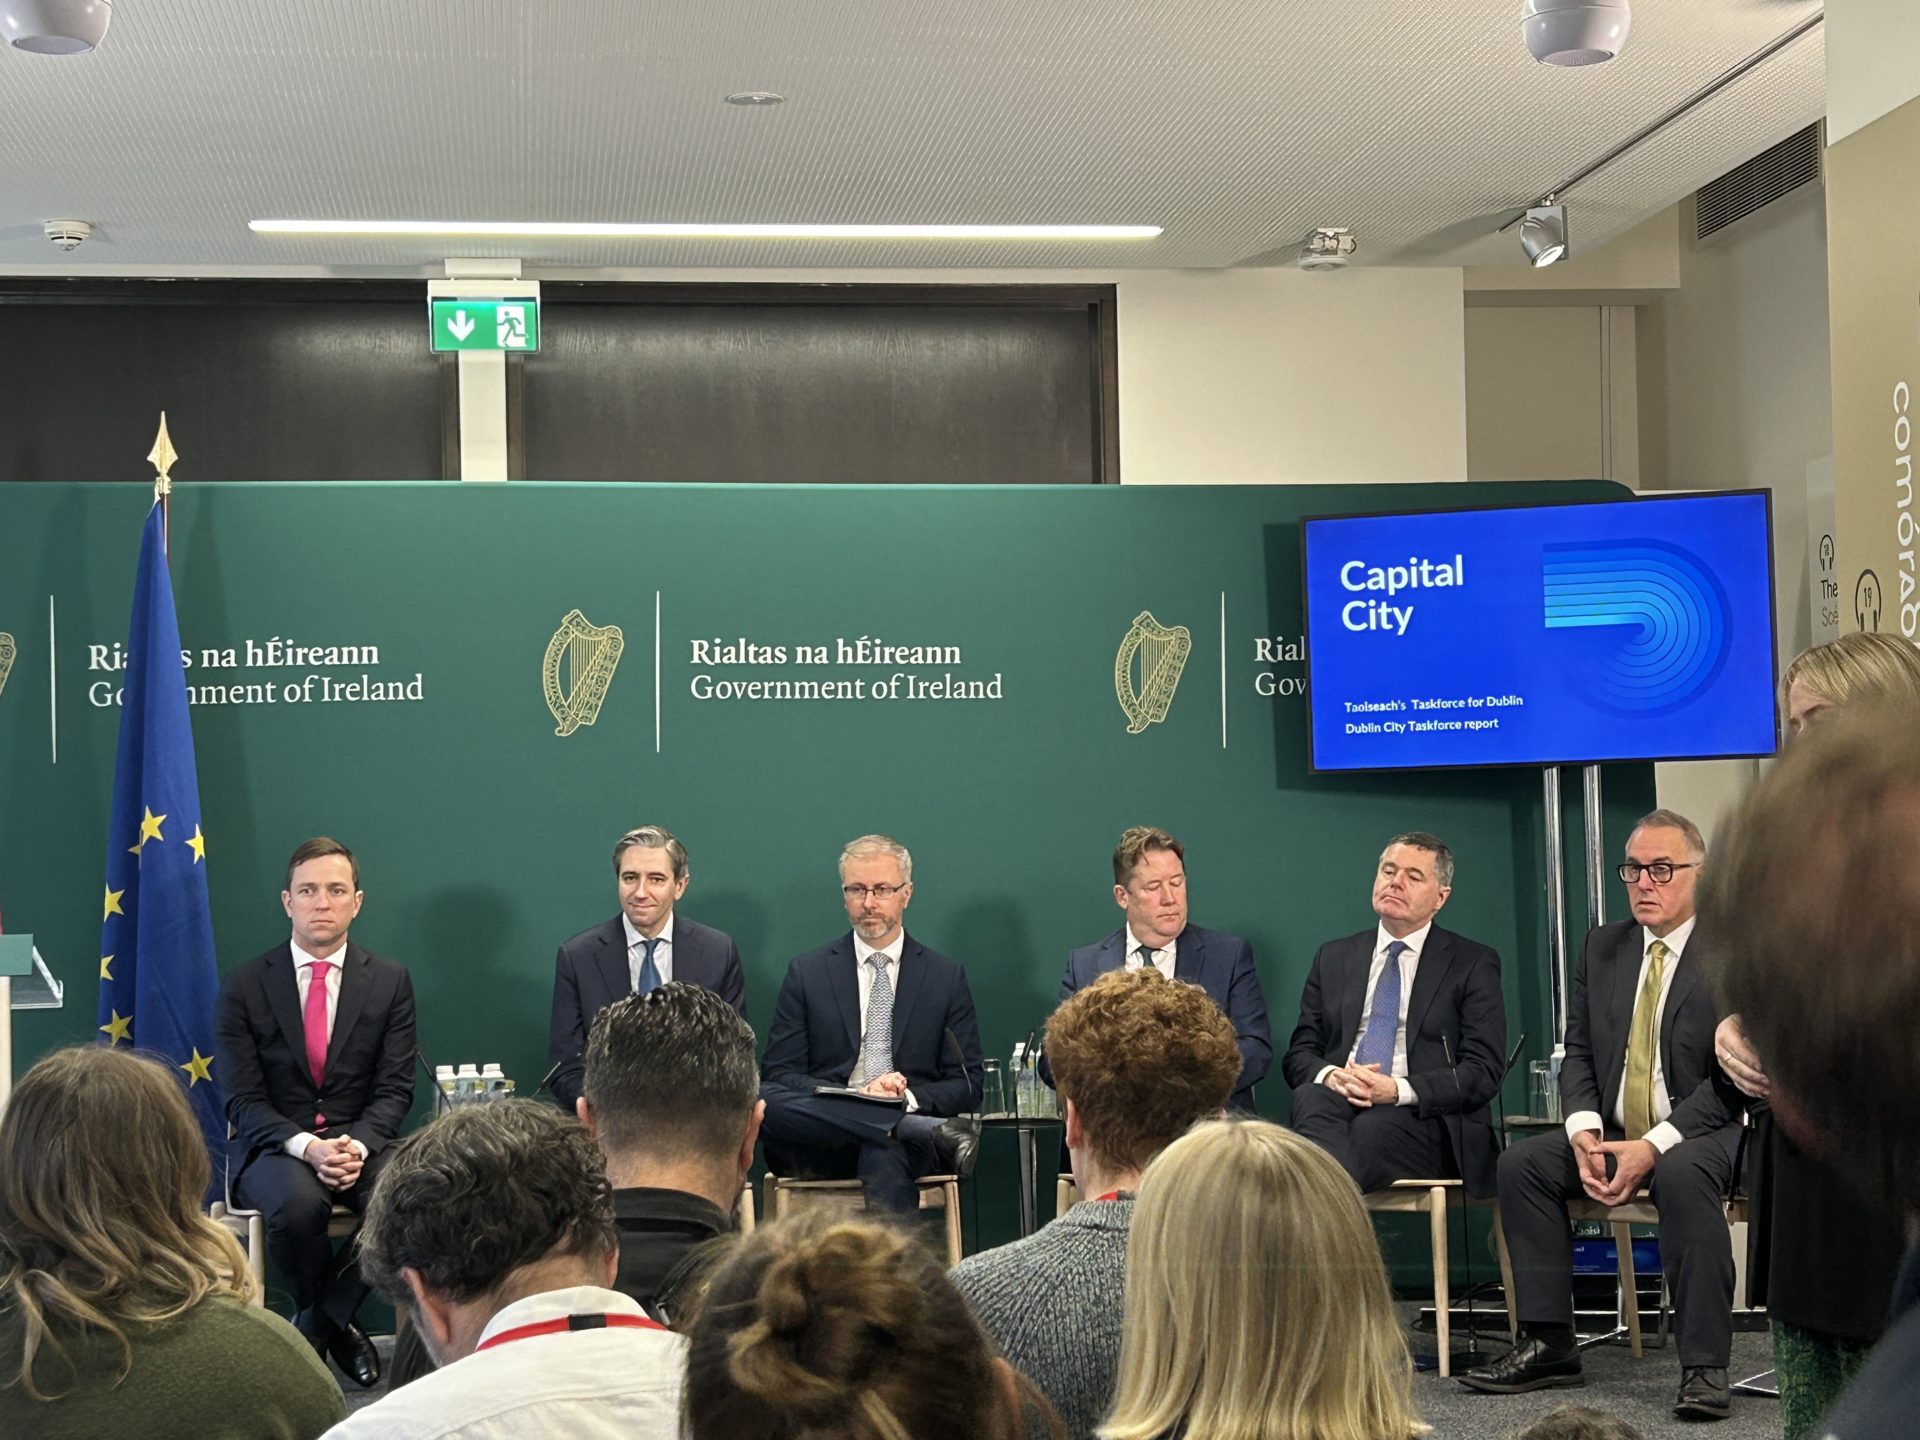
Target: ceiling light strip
576	230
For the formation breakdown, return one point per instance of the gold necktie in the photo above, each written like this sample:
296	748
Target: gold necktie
1637	1096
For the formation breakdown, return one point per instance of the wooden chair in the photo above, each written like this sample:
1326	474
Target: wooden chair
937	1192
1430	1197
743	1210
1066	1195
249	1228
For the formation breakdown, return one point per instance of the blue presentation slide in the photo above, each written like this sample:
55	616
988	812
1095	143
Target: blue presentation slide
1539	635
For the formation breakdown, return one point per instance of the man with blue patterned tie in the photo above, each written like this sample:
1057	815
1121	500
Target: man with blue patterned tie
887	1024
636	952
1402	1035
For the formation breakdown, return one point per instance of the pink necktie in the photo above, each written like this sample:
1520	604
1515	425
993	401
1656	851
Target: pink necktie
316	1025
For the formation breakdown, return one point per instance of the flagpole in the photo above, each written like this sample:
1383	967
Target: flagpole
161	457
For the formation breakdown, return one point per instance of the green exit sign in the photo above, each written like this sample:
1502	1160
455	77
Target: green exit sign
491	324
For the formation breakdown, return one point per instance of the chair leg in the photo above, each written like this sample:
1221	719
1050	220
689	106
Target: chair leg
257	1258
1506	1277
1629	1288
775	1198
1442	1300
951	1191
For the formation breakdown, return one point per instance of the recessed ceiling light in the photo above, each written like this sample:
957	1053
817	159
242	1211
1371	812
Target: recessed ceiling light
690	230
755	97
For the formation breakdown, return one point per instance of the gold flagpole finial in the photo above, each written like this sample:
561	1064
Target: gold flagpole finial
161	457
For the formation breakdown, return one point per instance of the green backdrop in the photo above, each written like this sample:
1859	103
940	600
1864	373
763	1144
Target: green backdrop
485	837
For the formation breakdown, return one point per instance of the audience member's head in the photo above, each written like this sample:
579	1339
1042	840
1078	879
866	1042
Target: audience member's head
847	1328
1577	1422
1137	1058
1864	666
672	1092
484	1207
1257	1306
103	1171
1815	902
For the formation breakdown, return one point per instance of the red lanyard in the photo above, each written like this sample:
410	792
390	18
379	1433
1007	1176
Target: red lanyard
1110	1195
568	1322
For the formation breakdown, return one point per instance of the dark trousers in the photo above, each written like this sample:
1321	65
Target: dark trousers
295	1209
827	1137
1689	1188
1375	1144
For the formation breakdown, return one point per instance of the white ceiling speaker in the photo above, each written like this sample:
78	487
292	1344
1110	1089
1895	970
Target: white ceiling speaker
1543	235
68	234
1575	32
1327	247
55	27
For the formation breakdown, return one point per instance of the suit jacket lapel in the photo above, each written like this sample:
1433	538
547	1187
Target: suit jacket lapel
611	962
354	984
1626	990
1353	997
913	971
1113	952
1435	960
843	975
1189	957
1684	979
283	996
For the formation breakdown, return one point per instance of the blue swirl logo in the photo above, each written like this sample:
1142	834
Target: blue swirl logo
1646	623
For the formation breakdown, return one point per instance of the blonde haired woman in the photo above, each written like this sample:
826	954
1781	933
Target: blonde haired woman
1257	1307
122	1307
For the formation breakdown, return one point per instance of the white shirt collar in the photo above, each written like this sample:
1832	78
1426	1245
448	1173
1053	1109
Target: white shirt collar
550	1304
1415	943
1134	943
1676	942
634	936
301	958
862	951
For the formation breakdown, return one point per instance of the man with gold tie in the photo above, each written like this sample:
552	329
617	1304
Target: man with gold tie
1643	1112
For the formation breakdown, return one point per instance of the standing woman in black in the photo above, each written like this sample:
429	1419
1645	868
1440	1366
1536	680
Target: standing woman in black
1820	1258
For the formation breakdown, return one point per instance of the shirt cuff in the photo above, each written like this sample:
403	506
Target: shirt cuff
1663	1137
1584	1120
1406	1096
1325	1070
358	1146
297	1146
913	1105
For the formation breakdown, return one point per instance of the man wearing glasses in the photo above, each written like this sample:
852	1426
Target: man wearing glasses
1643	1111
874	1049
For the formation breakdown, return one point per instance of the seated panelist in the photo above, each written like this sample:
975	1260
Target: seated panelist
1402	1035
636	952
1150	887
878	1013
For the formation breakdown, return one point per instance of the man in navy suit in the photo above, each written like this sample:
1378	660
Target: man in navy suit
1150	885
637	951
877	1014
1402	1035
315	1044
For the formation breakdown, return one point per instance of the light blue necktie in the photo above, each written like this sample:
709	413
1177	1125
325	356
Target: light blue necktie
649	980
876	1053
1376	1045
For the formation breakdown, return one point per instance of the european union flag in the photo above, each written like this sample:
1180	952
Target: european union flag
157	973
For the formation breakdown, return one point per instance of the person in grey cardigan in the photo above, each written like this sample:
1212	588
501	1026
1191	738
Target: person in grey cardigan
1137	1059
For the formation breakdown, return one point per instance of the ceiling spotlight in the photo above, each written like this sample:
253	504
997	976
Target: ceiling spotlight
756	97
1543	234
55	27
1326	247
1575	32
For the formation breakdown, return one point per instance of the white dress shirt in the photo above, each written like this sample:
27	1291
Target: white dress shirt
303	964
1409	967
863	972
636	952
1162	956
1663	1136
570	1385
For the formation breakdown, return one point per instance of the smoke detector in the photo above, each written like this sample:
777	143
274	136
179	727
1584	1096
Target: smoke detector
67	234
1326	247
55	27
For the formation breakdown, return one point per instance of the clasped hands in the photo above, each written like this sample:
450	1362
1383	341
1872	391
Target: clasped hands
1362	1085
1633	1162
893	1085
336	1161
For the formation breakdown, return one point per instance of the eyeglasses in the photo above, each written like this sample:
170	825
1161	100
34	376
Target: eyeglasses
878	892
1660	871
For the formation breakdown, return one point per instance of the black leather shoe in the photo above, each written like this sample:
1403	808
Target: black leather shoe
1703	1393
353	1352
957	1143
1530	1365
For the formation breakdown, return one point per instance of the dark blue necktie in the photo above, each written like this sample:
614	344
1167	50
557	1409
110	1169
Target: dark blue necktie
649	980
1383	1023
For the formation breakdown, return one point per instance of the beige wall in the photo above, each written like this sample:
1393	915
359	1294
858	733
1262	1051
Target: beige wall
1535	393
1873	61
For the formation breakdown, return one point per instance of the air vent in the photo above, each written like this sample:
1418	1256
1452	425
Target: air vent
1761	181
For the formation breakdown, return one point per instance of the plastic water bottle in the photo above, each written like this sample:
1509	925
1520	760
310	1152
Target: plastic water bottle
443	1083
466	1084
1018	1070
493	1081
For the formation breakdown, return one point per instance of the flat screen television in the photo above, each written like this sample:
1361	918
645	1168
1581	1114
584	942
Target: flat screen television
1541	634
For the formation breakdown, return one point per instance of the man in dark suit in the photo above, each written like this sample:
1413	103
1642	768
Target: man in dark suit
877	1014
1643	1109
641	948
1402	1035
316	1048
1150	885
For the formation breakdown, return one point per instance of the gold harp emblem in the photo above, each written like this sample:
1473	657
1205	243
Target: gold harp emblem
1154	655
578	667
7	652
